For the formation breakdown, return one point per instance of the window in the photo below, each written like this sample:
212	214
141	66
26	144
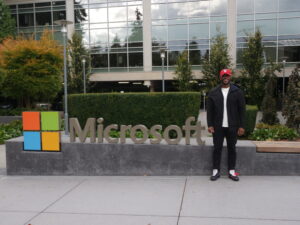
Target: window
118	60
291	52
288	5
267	27
199	31
99	60
266	6
26	20
178	32
245	6
98	15
136	59
59	15
43	18
289	26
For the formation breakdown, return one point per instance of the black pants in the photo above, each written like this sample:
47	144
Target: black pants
218	137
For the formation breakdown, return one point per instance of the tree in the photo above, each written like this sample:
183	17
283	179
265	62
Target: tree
217	59
33	69
291	102
76	51
183	73
7	22
252	61
268	107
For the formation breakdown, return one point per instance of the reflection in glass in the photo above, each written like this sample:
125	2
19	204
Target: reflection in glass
200	8
156	60
266	16
245	17
218	7
178	32
173	57
59	15
245	6
292	52
244	27
267	27
98	15
118	60
117	35
80	15
288	26
289	5
266	6
135	59
239	55
289	14
270	54
26	20
195	57
135	33
43	18
116	14
216	28
178	42
159	33
117	24
178	10
99	60
135	13
159	11
199	31
85	36
98	36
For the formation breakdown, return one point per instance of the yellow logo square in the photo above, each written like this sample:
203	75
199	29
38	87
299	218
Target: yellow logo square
50	141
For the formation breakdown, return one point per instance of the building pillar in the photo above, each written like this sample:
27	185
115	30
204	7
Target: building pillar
231	29
147	37
70	17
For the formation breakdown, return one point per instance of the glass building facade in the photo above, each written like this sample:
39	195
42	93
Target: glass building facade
113	32
279	22
33	18
126	35
185	25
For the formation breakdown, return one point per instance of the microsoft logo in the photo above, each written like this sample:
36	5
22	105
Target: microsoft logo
41	131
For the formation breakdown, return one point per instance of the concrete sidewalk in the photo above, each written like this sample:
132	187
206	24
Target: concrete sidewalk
60	200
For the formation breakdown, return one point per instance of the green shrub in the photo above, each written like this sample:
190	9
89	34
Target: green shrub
273	132
11	130
136	108
251	111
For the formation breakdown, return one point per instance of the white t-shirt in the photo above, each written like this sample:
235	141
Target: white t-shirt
225	116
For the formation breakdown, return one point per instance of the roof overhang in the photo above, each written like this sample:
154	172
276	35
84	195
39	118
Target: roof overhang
137	76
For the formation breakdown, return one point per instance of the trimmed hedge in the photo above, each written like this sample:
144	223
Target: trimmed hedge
135	108
251	111
143	108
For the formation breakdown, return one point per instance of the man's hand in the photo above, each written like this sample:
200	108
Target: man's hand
211	130
241	131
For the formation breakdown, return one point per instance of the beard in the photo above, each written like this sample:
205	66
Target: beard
225	82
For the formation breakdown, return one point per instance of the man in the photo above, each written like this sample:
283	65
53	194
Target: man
225	118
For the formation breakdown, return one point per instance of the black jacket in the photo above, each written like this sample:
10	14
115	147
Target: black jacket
235	107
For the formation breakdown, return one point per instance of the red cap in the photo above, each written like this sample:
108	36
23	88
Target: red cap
225	71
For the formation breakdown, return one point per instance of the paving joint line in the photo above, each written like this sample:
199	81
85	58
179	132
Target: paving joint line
179	214
110	214
241	218
73	188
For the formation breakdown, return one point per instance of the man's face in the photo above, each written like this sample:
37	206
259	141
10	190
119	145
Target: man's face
225	79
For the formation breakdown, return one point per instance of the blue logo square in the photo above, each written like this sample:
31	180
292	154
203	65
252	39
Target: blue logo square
32	140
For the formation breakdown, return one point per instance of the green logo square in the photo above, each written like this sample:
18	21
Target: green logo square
50	121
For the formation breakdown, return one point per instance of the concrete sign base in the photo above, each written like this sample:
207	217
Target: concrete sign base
93	159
